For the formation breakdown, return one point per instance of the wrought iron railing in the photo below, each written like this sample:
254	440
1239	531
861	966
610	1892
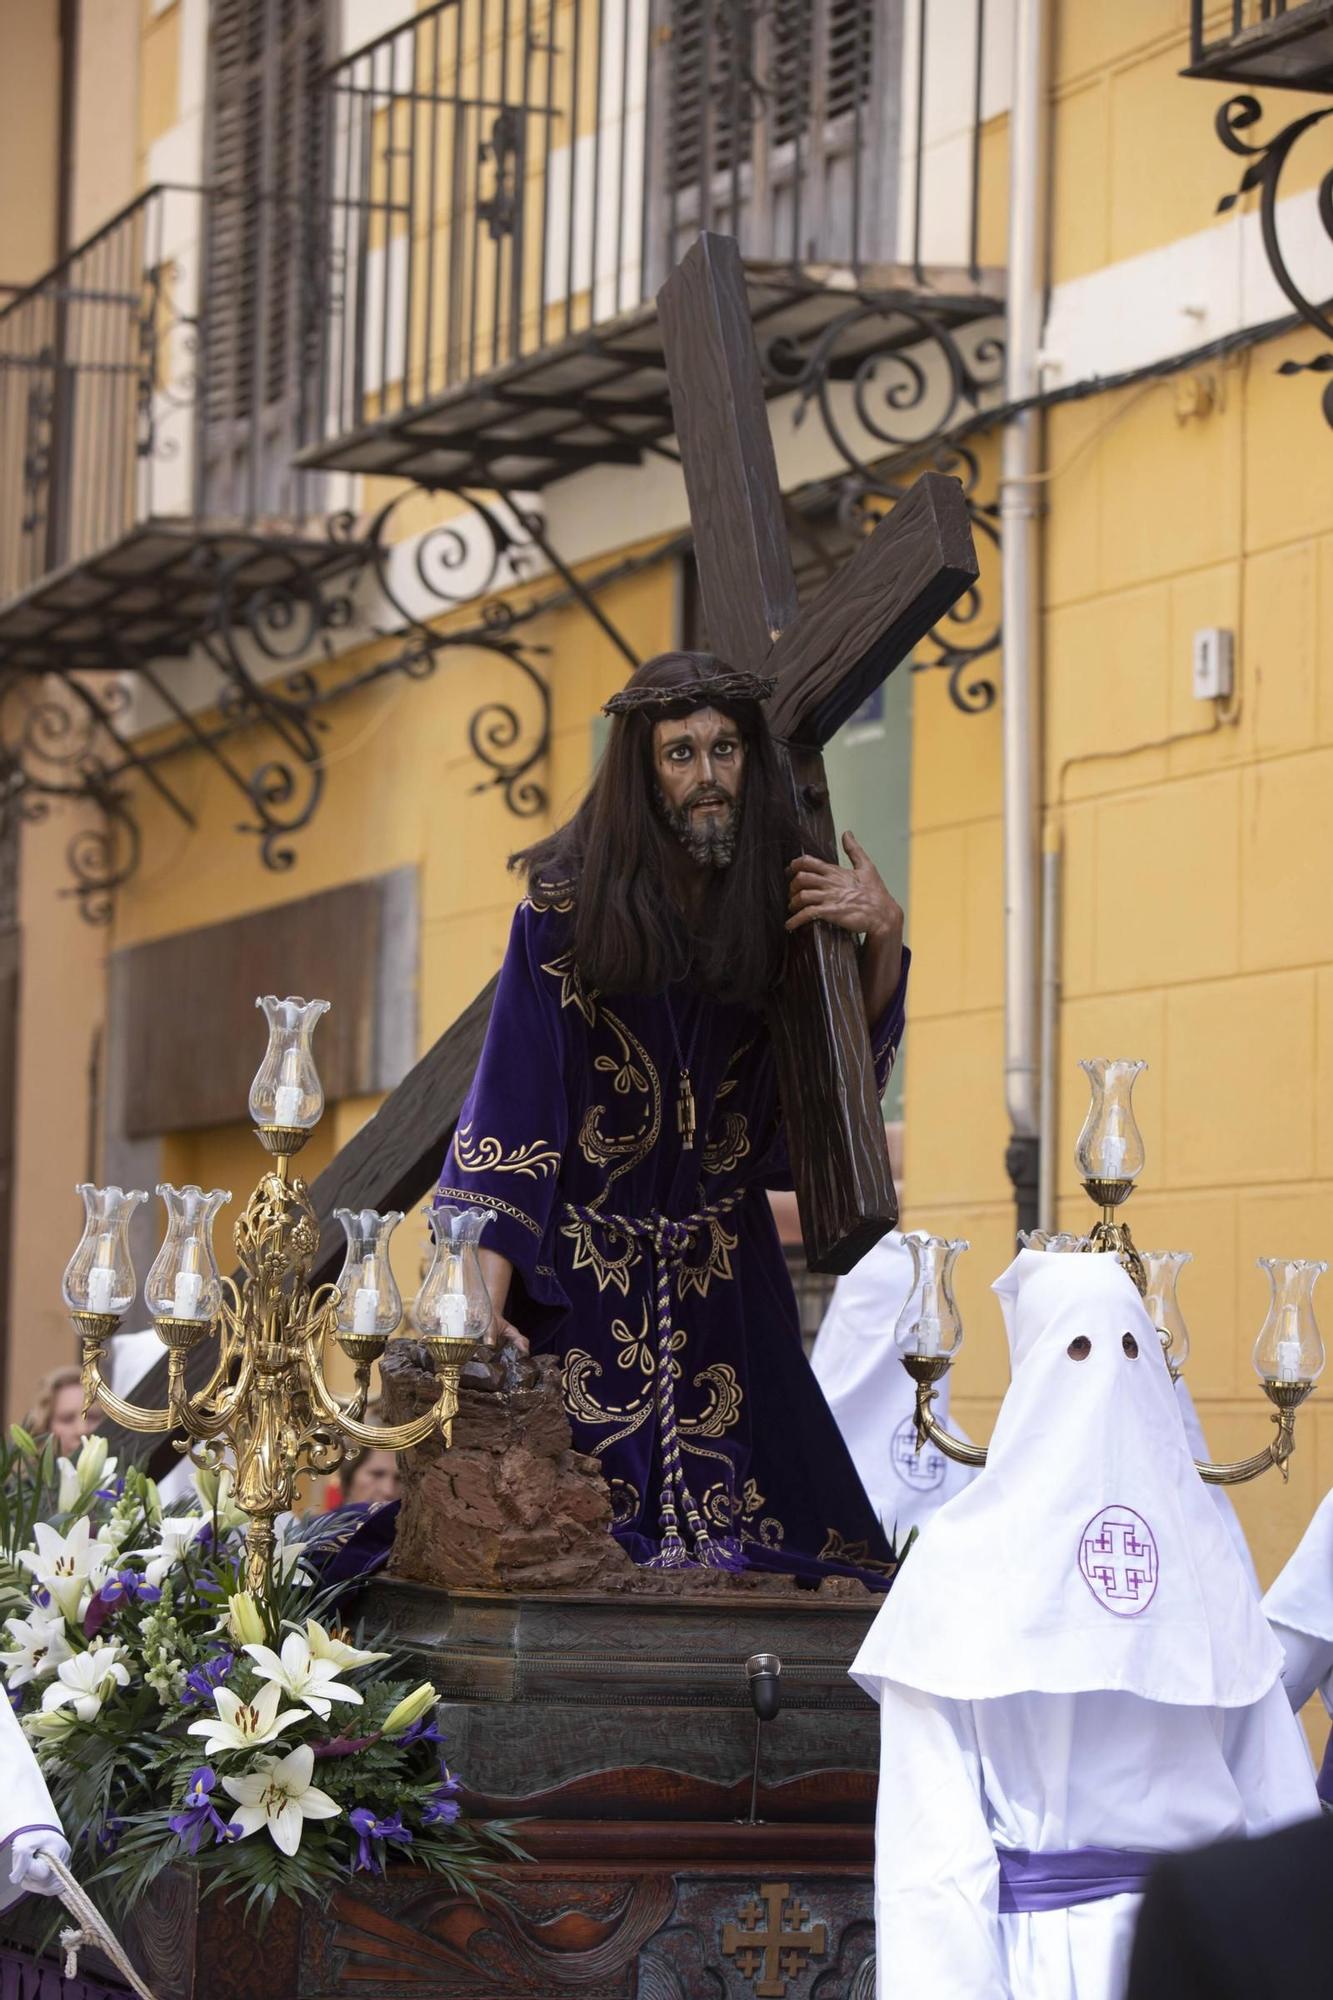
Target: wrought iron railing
122	402
1284	42
506	174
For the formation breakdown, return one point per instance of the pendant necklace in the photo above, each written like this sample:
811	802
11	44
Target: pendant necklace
685	1117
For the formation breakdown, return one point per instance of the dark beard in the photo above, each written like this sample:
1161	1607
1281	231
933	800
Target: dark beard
712	843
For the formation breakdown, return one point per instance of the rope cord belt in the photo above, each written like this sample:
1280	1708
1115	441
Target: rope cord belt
669	1242
93	1929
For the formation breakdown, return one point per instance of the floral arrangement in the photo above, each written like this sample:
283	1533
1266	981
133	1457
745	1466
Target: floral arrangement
180	1718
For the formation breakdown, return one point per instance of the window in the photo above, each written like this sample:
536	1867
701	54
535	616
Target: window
265	165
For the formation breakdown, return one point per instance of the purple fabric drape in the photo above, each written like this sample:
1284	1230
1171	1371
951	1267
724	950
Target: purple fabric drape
569	1133
1058	1880
25	1978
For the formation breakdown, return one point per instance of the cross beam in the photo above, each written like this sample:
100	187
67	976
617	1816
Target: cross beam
827	659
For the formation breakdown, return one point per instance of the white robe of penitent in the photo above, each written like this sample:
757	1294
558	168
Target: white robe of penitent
872	1397
25	1803
1071	1657
1299	1607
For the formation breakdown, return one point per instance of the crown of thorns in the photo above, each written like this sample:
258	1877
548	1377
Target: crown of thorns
697	694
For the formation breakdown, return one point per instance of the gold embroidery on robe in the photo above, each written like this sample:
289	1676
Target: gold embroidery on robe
724	1152
857	1554
486	1155
580	1370
472	1199
725	1397
714	1263
608	1266
625	1501
573	993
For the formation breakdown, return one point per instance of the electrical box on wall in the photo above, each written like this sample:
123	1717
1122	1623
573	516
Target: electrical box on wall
1214	664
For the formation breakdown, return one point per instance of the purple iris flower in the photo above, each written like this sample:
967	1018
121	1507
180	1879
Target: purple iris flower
367	1828
443	1808
199	1814
209	1674
422	1731
124	1586
108	1837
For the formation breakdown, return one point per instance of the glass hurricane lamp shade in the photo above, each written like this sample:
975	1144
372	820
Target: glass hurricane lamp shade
1161	1270
1289	1348
370	1305
454	1303
1110	1146
99	1277
184	1283
287	1094
929	1324
1062	1242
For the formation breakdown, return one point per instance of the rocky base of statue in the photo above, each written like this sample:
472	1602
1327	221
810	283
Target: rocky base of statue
512	1506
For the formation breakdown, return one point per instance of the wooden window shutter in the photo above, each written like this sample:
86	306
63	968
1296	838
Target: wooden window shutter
265	176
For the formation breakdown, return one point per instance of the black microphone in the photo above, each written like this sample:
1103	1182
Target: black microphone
762	1672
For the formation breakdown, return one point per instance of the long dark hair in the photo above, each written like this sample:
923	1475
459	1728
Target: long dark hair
620	862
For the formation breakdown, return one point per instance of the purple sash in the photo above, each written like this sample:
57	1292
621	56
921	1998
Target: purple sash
1058	1880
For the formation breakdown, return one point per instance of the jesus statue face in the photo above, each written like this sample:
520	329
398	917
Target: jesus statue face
699	765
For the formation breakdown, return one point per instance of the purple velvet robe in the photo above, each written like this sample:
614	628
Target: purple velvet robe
571	1118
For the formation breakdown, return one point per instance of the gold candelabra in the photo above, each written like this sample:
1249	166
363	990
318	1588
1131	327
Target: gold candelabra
1288	1354
267	1408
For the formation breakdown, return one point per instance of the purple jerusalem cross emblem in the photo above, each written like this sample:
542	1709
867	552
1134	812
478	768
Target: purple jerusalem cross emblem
1118	1560
923	1470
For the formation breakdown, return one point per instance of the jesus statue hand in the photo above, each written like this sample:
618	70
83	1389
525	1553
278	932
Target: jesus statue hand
498	1271
854	899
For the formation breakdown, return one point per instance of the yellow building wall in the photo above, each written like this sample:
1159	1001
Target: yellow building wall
29	139
1196	926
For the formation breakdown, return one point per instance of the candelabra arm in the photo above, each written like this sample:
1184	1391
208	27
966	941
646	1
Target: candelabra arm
926	1370
378	1437
95	1329
1288	1396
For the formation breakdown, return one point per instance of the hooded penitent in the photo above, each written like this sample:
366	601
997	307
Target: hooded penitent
1088	1554
856	1364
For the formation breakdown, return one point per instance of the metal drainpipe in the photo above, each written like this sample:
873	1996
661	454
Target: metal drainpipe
1020	553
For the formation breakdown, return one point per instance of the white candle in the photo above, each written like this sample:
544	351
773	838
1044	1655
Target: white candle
453	1315
928	1334
185	1298
287	1104
101	1283
365	1305
1289	1347
1113	1157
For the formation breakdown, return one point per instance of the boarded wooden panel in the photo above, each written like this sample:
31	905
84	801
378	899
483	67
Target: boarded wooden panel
192	1039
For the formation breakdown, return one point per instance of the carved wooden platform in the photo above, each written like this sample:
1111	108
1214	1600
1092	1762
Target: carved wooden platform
604	1911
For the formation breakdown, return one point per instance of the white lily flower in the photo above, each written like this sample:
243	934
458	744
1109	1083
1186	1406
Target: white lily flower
84	1682
278	1794
299	1673
328	1646
64	1564
240	1725
287	1555
179	1533
84	1475
40	1646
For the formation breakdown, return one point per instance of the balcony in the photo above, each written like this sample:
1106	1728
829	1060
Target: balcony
1270	42
510	186
145	442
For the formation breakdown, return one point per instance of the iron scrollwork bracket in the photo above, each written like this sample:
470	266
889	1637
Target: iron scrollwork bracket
888	407
1268	162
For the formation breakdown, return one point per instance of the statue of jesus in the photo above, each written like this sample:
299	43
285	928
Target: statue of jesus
624	1124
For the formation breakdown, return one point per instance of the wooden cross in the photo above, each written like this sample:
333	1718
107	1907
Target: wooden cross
827	659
